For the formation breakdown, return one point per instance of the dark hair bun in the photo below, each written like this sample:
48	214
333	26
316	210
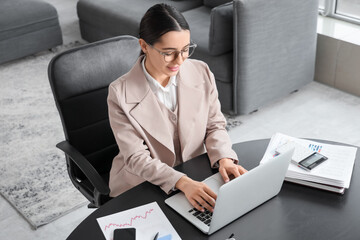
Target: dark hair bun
160	19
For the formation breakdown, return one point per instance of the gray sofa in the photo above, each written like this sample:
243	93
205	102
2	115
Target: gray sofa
27	27
258	50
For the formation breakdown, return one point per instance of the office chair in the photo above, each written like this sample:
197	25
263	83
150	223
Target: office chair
79	80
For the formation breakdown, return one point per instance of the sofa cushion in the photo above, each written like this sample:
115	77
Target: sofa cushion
221	29
215	3
212	29
18	17
221	66
199	21
118	17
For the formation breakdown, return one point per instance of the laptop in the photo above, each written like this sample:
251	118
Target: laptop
248	191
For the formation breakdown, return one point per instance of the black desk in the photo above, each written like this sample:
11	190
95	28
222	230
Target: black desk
298	212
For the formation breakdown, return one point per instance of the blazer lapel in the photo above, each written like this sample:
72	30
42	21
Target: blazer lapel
147	112
188	96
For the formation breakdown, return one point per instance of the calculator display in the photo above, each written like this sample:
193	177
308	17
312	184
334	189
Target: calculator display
312	161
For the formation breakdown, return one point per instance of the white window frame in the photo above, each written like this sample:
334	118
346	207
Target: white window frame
329	11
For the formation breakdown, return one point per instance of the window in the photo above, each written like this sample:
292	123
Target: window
348	10
322	5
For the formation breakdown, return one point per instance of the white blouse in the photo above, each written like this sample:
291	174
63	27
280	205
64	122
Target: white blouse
168	94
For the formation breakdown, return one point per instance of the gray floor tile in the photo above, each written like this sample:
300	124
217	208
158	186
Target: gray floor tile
316	111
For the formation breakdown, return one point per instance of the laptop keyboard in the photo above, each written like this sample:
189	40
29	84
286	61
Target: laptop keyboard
205	216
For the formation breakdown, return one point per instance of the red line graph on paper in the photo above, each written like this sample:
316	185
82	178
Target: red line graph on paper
130	223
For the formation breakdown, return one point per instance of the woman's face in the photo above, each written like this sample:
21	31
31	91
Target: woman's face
155	62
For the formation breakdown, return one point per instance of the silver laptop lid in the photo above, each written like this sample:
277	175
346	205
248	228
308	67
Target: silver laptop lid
250	190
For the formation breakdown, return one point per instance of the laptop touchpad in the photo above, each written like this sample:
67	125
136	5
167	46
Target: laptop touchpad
214	183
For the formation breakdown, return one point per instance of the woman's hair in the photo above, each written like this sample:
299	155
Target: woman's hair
160	19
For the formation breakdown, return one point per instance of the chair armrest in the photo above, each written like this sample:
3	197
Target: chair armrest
90	172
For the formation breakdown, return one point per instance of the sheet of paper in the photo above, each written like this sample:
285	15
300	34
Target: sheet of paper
147	219
337	170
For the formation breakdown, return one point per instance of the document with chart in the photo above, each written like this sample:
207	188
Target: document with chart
148	220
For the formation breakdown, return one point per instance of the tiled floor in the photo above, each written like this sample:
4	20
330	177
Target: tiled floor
316	111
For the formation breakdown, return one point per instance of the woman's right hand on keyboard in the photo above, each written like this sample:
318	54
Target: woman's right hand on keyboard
197	193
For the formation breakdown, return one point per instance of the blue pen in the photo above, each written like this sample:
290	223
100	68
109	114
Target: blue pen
166	237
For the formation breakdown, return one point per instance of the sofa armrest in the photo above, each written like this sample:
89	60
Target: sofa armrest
221	29
274	50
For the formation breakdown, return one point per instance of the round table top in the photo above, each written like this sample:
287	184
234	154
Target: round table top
297	212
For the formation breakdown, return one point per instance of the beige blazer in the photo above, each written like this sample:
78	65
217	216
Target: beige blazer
146	150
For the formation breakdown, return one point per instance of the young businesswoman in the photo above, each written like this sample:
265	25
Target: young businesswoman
165	111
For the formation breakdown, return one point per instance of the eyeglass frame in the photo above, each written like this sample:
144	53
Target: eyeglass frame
165	54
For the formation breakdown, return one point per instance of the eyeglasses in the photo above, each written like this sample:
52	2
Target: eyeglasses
170	56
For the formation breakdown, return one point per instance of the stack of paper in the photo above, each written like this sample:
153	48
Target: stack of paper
333	175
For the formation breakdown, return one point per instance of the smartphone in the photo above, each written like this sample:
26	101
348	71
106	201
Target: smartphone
312	161
125	234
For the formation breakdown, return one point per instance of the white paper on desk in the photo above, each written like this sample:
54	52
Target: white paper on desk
147	219
337	170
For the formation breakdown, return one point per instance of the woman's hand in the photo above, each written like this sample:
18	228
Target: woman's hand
228	167
197	193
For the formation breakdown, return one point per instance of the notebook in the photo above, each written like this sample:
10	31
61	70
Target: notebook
246	192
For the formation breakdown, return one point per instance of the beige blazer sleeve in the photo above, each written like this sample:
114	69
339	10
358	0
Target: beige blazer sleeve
217	141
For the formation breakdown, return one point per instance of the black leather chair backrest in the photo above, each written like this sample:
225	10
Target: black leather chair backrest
80	78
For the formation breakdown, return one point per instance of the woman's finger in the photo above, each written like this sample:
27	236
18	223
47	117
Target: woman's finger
209	196
210	192
204	203
224	174
235	171
196	205
241	169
